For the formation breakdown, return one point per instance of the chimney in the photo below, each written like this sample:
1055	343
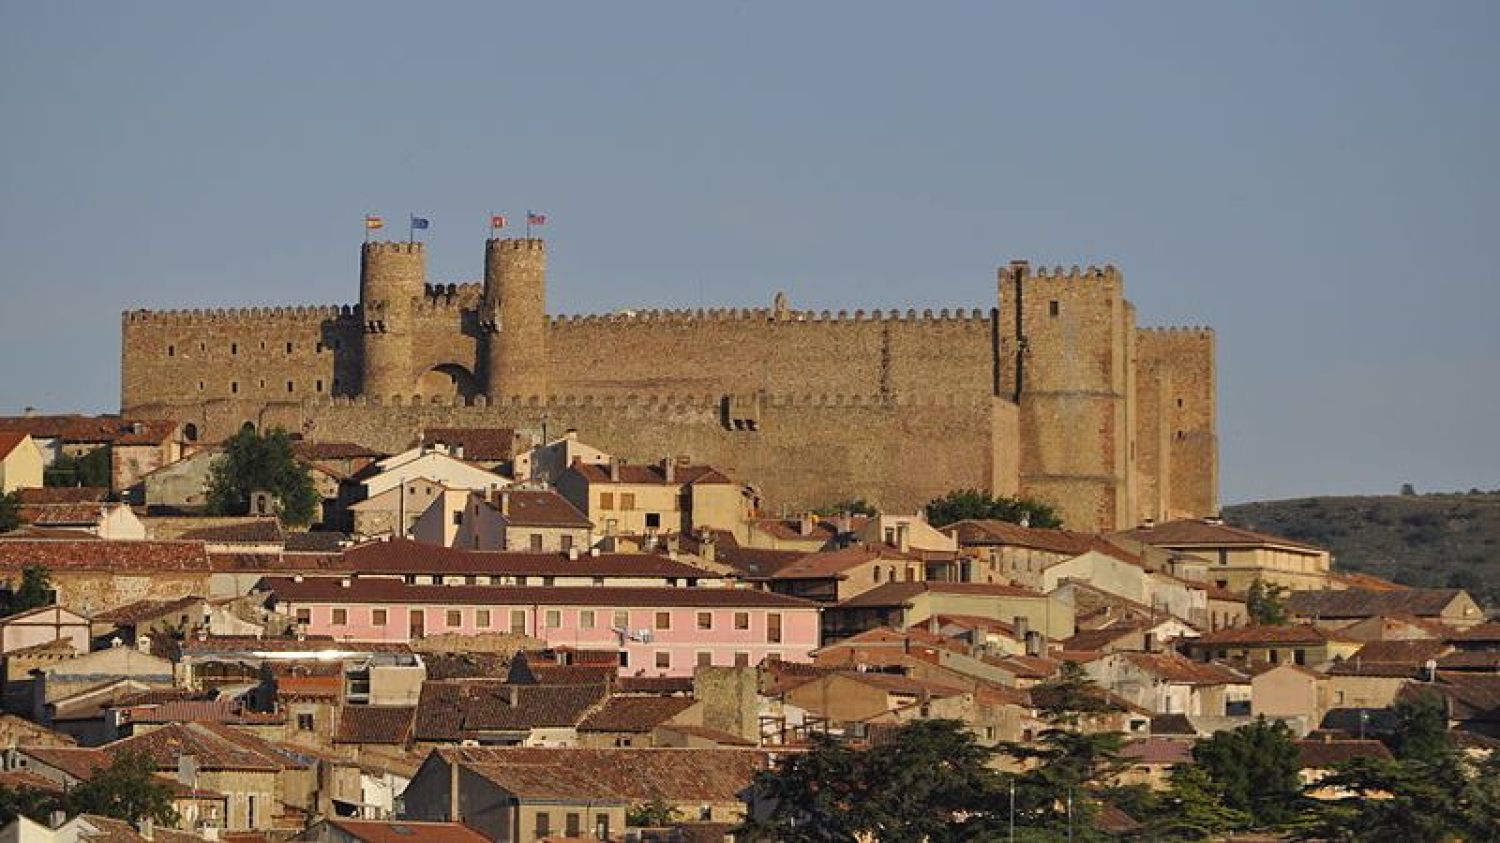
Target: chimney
1151	643
571	434
505	503
708	547
614	469
805	525
573	554
669	469
29	412
458	450
1022	625
1148	522
345	582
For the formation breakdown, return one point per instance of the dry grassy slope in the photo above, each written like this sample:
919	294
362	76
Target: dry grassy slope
1428	540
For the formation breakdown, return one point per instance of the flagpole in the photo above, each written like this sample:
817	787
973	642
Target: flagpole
411	228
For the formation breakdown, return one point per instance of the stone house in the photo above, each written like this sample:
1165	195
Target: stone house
432	463
93	575
633	721
509	519
657	499
374	673
180	617
180	487
519	710
1338	608
140	448
834	575
905	604
1291	644
1290	690
545	464
89	671
529	794
1238	557
489	448
1166	683
345	830
20	462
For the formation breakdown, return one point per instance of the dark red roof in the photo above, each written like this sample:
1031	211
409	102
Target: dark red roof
103	555
634	714
900	593
217	747
482	444
834	563
77	429
63	494
525	508
652	473
1323	754
1195	532
1252	635
403	556
406	831
462	709
257	531
314	451
383	590
984	532
378	724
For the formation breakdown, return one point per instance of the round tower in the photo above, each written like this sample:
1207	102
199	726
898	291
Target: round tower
514	315
392	277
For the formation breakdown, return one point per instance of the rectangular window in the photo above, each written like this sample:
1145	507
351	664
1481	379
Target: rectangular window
377	617
1053	308
773	628
305	722
340	617
318	386
455	618
554	619
482	618
741	659
543	824
705	620
705	659
518	621
627	501
573	825
653	520
663	620
288	348
606	500
458	517
304	616
290	387
663	660
536	542
567	543
586	619
741	620
621	619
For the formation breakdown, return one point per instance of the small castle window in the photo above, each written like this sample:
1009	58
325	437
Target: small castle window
234	386
1179	402
318	386
234	348
171	351
202	346
320	348
1053	308
200	386
288	348
290	387
262	345
262	383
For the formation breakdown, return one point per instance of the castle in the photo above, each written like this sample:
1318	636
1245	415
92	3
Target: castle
1051	391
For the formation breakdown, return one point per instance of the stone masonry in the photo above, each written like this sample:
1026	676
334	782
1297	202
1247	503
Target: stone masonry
1053	391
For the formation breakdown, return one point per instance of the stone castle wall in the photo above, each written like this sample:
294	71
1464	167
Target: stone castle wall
1054	392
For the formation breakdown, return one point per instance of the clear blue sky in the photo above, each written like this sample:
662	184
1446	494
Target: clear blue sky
1317	181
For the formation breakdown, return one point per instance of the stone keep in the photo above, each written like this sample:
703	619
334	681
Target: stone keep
1051	391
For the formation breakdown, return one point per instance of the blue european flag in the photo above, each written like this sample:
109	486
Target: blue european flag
419	222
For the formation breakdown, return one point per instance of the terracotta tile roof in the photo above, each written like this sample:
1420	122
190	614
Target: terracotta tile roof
314	451
404	556
1368	582
76	429
525	508
1324	754
1098	639
1414	652
153	432
577	674
1027	667
655	684
634	714
145	610
1174	668
482	444
103	555
376	724
757	563
26	780
1252	635
900	593
1485	633
406	831
110	830
77	762
217	747
1195	532
1358	603
1172	724
465	665
63	494
979	532
82	514
822	529
1160	751
626	775
315	541
834	563
243	644
1471	660
978	622
462	709
199	711
257	531
9	442
652	474
718	736
1471	695
383	590
895	683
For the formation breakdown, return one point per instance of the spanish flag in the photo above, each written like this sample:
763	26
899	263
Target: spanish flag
497	221
374	222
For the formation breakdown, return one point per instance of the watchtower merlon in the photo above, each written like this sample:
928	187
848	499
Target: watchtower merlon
392	278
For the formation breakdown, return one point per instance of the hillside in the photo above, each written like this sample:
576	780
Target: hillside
1427	540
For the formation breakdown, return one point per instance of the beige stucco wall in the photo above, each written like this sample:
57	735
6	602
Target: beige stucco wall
22	467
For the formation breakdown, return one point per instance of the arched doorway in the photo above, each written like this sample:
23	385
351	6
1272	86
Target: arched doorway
449	380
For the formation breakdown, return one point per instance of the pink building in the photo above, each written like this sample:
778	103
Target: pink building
656	631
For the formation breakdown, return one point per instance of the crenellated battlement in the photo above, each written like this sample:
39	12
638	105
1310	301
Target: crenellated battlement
974	316
243	314
395	247
1177	330
519	244
665	402
1107	272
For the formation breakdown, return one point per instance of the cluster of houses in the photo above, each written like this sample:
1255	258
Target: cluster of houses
494	638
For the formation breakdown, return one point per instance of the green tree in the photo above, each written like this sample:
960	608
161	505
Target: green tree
928	782
964	504
34	591
847	506
91	469
10	511
26	802
1266	603
253	462
127	789
1192	808
654	814
1421	732
1255	767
